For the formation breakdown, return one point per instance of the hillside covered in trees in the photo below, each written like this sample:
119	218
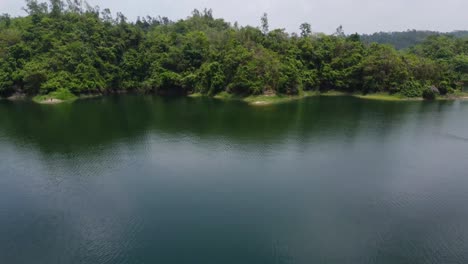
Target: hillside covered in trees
65	46
406	39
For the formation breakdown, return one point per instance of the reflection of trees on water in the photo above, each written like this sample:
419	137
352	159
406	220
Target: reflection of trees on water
99	122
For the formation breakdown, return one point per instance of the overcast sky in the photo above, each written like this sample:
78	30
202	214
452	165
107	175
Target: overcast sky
362	16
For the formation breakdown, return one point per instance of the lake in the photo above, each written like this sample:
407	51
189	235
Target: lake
143	179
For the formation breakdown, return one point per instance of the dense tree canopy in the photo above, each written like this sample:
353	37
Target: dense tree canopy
73	46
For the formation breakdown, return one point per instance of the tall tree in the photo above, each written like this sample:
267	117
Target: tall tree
306	30
264	24
340	32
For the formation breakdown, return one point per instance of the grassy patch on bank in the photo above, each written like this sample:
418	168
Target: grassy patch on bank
252	99
332	93
384	97
196	95
275	99
228	96
459	94
262	100
59	96
267	99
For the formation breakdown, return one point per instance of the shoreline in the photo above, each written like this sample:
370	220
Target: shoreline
252	100
266	100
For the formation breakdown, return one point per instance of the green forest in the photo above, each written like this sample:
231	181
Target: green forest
67	48
409	38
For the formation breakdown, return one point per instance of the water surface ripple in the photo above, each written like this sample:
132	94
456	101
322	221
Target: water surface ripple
142	179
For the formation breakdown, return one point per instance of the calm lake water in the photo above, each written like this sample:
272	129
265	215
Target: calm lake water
141	179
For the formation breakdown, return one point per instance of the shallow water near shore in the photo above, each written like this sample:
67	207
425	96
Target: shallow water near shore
145	179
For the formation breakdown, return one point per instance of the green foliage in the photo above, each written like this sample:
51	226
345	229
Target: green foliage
34	75
461	63
6	82
164	81
63	94
60	81
306	30
406	39
444	88
211	79
290	81
412	89
245	81
383	69
63	45
429	94
264	22
309	79
60	94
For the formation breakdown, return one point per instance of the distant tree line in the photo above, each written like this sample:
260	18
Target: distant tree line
82	49
409	38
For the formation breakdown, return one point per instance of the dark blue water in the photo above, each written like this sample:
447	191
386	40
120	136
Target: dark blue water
148	180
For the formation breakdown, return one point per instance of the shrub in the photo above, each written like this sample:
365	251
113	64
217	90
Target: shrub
60	94
430	93
412	89
444	87
63	94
